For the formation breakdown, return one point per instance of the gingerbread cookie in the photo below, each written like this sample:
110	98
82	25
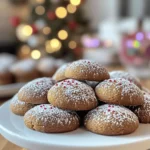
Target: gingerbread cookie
35	92
143	111
119	91
111	120
72	95
18	107
47	66
125	75
24	70
86	70
60	73
50	119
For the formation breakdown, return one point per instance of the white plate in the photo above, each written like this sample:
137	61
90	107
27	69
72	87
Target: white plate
13	129
10	89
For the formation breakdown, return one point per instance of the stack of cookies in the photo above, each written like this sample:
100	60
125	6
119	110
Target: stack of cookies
83	92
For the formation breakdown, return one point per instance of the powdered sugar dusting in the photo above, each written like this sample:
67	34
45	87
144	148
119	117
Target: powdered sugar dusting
38	87
88	66
15	101
76	91
113	114
47	113
124	86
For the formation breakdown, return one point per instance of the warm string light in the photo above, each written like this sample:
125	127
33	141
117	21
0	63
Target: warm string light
53	45
35	54
71	8
40	10
46	30
62	34
40	1
25	50
72	44
75	2
61	12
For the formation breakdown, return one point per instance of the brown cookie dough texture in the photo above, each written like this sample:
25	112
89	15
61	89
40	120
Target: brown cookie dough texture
111	120
47	66
35	92
24	70
143	111
119	91
50	119
72	95
86	70
125	75
60	73
18	107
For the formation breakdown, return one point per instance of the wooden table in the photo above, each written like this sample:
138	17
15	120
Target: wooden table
6	145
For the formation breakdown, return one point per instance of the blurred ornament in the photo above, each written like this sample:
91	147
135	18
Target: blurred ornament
46	30
40	24
72	45
35	40
90	42
23	32
15	21
34	29
72	25
61	12
51	15
53	45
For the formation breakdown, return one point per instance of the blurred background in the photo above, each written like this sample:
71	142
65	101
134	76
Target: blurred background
115	33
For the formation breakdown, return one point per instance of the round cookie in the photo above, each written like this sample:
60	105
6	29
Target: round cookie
72	95
119	91
24	70
86	70
143	111
47	66
35	92
18	107
111	120
50	119
60	73
125	75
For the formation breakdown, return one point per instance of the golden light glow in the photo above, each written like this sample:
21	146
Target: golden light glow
25	50
71	8
35	54
62	34
46	30
72	44
61	12
27	30
40	10
75	2
40	1
53	45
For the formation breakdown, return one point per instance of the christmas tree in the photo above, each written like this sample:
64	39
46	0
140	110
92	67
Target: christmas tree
54	27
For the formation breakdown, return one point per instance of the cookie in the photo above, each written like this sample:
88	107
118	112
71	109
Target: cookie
18	107
60	73
72	95
119	91
125	75
47	66
111	120
50	119
143	111
35	92
86	70
24	70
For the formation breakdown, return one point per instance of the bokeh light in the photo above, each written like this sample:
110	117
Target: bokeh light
35	54
72	44
61	12
40	10
53	45
40	1
62	34
71	8
46	30
139	36
25	50
75	2
27	30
